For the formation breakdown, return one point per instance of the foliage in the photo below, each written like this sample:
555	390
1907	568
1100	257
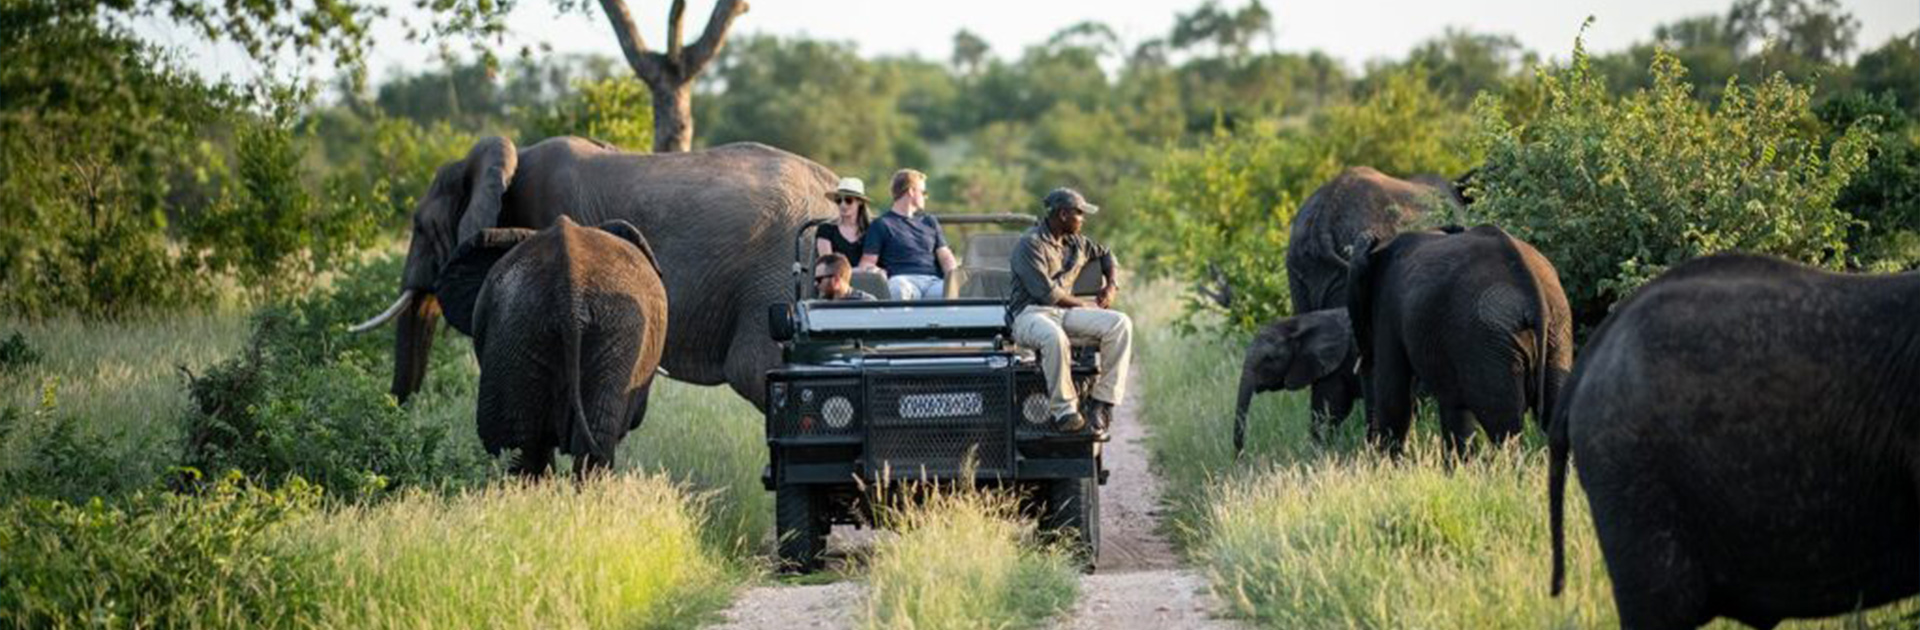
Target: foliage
615	110
1222	210
128	184
305	399
51	454
1614	191
1890	69
814	98
615	552
1884	198
965	558
158	560
16	353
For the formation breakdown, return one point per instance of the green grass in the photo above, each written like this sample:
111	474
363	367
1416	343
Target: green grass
965	559
620	552
1299	535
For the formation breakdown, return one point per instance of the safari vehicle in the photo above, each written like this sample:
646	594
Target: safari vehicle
873	393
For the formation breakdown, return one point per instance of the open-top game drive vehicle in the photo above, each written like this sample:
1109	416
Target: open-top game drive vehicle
878	392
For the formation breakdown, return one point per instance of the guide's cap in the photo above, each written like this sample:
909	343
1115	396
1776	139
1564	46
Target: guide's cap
1068	198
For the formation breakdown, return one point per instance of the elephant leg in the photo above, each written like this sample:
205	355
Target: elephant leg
752	354
1390	395
533	460
1456	423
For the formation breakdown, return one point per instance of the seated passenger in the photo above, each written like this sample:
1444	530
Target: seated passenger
907	244
833	279
844	236
1046	316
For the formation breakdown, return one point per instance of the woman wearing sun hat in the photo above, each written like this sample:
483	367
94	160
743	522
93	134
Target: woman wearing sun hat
844	236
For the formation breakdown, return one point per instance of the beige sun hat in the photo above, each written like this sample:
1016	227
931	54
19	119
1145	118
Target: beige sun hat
850	187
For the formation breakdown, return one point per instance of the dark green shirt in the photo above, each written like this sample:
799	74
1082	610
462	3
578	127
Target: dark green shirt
1045	267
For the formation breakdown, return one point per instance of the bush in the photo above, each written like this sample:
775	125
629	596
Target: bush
158	560
1885	198
1227	205
1614	191
49	454
307	399
16	354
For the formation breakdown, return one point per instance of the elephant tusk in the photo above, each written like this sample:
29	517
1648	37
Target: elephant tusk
406	297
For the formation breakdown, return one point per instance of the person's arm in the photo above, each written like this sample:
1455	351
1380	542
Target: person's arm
947	262
870	248
822	246
1030	269
1110	272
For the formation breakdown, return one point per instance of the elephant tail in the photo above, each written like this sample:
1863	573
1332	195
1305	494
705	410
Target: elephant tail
1557	454
580	439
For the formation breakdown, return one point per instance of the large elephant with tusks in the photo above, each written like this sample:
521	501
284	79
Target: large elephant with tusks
721	222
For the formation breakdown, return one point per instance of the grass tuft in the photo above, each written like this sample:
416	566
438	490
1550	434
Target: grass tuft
966	559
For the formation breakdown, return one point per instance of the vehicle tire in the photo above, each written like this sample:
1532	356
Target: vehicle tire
801	527
1071	514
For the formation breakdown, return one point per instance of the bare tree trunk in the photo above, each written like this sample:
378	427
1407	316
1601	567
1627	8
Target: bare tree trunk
669	75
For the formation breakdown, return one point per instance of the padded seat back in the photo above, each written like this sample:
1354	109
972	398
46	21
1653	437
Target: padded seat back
871	282
991	251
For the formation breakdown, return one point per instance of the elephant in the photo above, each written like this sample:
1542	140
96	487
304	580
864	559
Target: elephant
569	324
1293	353
1360	201
1475	316
722	222
1747	430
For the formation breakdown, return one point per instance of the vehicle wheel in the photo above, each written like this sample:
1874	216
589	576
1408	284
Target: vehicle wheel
1071	513
801	527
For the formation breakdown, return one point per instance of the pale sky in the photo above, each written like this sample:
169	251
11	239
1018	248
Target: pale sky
1353	31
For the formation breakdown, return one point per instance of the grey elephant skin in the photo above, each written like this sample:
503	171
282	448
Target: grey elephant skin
1291	354
721	221
1475	317
1360	201
1747	431
569	324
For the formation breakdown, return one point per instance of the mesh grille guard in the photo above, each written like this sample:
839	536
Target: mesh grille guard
929	424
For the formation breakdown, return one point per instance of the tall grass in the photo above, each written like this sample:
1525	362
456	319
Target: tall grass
619	552
965	559
715	441
1302	535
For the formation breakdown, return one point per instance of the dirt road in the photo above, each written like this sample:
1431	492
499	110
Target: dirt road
1140	583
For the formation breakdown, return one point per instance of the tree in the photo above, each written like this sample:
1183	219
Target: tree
1230	32
669	74
1893	68
969	52
1817	30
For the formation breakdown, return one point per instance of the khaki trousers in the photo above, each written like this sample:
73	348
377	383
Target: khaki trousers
1049	331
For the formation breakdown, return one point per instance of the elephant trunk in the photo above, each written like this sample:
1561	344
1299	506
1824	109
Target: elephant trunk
1247	380
413	343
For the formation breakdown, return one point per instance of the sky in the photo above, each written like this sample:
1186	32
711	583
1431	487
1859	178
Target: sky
1354	31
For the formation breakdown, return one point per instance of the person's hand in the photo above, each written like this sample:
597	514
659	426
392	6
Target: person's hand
1105	298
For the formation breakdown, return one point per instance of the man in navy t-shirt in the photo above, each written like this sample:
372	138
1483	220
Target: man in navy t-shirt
907	244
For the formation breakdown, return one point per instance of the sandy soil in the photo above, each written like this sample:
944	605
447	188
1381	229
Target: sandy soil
1140	583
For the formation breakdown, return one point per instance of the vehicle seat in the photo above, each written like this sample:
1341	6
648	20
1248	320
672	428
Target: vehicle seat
871	282
991	251
987	283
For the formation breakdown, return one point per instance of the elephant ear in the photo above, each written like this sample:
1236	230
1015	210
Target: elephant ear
490	168
459	285
1360	296
627	232
1321	342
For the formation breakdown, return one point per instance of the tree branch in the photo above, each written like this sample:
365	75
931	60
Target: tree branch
676	21
644	63
703	49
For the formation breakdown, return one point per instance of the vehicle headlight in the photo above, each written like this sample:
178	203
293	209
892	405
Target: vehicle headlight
838	412
1034	408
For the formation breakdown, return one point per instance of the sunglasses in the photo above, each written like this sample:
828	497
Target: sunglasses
825	277
850	201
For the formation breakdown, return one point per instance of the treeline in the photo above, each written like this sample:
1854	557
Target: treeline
128	183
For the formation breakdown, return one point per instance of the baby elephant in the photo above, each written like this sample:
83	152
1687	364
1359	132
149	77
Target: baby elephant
1748	434
568	323
1474	316
1293	353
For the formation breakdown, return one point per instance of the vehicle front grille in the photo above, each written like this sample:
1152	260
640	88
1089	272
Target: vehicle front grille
931	424
820	406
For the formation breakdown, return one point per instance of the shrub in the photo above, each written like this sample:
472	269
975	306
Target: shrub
1222	210
307	399
49	454
16	354
1885	197
1614	191
158	560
